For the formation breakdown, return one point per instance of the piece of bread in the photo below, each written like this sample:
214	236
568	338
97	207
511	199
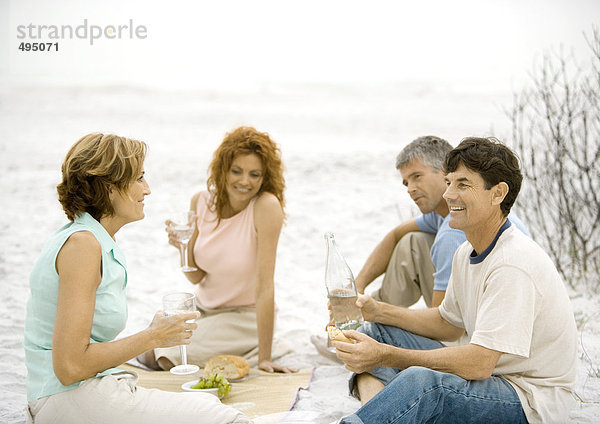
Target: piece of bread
335	334
229	366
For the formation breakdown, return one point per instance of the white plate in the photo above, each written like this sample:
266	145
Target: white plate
188	388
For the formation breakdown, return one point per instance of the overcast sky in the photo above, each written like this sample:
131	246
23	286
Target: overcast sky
234	43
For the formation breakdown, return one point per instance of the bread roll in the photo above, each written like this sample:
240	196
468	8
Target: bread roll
229	366
335	334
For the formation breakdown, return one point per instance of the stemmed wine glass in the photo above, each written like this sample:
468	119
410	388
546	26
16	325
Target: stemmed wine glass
183	228
180	303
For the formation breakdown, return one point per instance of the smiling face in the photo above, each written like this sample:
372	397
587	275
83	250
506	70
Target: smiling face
129	206
473	209
425	186
244	179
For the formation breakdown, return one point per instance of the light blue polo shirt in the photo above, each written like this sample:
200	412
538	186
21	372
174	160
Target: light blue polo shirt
110	313
446	242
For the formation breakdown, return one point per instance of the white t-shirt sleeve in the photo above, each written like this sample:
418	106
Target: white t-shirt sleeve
450	309
506	312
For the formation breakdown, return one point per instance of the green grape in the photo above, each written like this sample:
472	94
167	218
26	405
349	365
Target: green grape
214	381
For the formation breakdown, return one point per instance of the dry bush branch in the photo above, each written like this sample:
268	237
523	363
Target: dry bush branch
556	133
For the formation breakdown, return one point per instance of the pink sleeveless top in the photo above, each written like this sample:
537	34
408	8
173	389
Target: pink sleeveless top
228	255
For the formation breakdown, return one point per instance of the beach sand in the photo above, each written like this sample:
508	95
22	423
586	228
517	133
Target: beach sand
339	145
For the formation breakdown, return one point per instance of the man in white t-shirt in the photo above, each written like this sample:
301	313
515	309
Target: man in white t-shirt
504	293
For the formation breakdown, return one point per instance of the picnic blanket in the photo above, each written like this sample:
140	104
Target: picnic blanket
260	393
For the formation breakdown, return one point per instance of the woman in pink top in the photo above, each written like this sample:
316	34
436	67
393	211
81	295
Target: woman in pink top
234	249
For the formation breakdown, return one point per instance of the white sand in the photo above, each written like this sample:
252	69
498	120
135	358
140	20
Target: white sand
339	145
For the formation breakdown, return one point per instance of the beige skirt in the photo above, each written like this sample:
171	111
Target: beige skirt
224	331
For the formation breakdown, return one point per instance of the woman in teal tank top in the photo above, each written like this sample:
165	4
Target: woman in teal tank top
78	303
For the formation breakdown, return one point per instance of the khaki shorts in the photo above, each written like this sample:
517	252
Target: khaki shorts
409	274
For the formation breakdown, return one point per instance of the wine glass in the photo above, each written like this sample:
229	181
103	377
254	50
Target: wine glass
183	228
180	303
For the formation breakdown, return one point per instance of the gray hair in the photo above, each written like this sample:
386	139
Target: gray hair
431	149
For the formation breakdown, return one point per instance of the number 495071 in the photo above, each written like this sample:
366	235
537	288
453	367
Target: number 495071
35	47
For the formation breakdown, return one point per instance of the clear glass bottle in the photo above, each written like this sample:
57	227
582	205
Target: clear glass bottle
341	288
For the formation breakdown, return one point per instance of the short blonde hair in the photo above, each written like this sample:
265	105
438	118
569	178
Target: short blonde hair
94	165
244	141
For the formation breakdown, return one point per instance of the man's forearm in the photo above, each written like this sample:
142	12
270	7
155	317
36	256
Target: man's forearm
471	362
376	263
379	259
423	322
438	296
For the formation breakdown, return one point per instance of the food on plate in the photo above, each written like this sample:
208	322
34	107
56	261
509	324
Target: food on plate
231	367
335	334
214	381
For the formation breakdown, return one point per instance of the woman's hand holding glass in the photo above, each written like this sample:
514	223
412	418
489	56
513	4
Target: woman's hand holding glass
180	230
181	304
173	330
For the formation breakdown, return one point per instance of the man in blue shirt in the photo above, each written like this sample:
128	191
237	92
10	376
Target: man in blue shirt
416	256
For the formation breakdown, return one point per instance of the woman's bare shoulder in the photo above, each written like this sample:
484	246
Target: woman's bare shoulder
268	213
82	240
267	202
196	197
80	251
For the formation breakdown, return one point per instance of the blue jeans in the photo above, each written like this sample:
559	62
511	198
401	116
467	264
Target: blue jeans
421	395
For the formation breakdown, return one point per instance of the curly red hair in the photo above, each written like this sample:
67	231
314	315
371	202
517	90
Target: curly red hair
244	141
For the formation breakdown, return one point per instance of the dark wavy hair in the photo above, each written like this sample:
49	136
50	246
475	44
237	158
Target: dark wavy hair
493	161
95	164
244	141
